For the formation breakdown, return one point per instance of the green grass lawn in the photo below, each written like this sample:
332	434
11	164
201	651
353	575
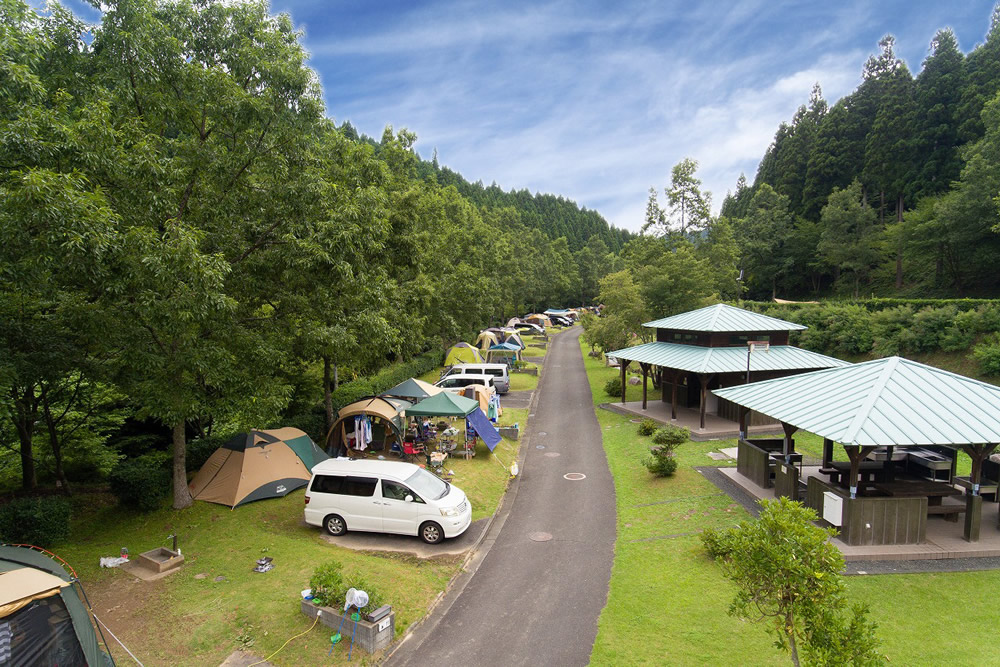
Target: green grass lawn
523	382
667	601
183	620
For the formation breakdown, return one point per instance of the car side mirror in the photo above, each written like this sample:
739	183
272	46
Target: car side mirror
408	498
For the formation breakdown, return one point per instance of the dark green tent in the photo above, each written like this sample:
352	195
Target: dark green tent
42	618
445	404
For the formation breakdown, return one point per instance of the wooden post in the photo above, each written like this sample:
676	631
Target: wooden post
673	394
623	365
788	447
973	517
744	426
703	381
645	373
663	383
827	452
856	454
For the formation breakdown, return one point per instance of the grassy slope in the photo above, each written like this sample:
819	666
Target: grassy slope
667	602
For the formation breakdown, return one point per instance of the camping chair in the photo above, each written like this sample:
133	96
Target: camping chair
411	449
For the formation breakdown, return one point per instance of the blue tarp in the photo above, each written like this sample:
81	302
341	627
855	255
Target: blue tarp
507	347
484	428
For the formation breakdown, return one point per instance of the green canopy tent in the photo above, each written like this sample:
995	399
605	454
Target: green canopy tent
447	404
413	389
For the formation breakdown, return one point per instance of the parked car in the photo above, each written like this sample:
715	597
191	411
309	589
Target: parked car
385	497
528	327
501	376
463	381
561	321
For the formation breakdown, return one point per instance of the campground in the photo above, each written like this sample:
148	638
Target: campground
215	604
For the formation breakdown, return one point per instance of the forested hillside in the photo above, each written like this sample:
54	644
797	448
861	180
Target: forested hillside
891	189
186	239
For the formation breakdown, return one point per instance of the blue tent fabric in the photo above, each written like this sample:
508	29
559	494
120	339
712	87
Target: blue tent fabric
509	347
484	428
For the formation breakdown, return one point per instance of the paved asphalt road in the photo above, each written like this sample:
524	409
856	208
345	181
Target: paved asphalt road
534	600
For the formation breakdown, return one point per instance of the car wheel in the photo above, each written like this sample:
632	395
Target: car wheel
431	533
335	525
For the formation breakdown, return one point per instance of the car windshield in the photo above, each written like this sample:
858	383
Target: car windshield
427	485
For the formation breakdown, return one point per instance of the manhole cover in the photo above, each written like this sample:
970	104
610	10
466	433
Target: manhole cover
539	446
552	455
574	476
539	537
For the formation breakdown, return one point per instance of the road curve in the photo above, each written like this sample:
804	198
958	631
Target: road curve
536	595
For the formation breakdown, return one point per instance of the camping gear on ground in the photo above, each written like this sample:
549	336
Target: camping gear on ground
257	465
264	564
43	619
479	393
462	353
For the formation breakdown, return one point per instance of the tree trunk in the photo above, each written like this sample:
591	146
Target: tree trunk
899	248
791	640
327	393
182	495
25	415
56	444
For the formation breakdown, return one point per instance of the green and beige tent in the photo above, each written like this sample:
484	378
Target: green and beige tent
257	465
463	353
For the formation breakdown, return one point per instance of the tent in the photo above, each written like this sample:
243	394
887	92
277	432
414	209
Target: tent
504	351
485	339
540	320
514	320
43	620
462	353
451	405
388	415
412	389
479	393
257	465
515	339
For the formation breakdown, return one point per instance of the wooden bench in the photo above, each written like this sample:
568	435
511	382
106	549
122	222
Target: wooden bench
949	511
987	487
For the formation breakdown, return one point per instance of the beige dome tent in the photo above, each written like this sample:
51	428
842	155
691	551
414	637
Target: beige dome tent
257	465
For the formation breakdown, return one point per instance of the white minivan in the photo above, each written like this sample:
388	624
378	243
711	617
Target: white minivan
500	373
385	497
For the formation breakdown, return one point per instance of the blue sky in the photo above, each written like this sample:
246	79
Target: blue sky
596	101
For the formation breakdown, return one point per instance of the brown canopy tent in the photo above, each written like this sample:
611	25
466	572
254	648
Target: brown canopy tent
388	415
257	465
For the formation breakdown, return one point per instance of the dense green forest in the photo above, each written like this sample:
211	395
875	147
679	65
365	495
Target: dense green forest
889	191
188	245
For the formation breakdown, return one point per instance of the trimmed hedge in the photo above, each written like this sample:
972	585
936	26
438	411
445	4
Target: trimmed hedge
40	521
349	392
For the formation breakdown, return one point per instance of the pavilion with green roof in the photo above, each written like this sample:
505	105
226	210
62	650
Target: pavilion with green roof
706	349
893	407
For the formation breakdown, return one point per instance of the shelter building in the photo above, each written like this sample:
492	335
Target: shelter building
706	349
901	424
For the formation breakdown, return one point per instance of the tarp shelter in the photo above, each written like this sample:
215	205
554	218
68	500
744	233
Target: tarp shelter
486	339
484	429
414	389
504	351
462	353
43	620
257	465
388	414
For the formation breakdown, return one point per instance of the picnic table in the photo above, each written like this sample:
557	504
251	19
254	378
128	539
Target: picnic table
935	492
868	472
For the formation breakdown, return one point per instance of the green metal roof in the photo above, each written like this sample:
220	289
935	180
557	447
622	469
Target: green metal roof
698	359
723	319
891	401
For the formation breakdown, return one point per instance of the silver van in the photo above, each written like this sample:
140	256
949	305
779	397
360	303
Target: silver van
385	497
499	372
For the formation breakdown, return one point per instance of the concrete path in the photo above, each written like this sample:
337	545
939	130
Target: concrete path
535	595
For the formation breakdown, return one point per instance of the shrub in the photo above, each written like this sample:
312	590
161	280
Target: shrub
200	449
661	461
716	543
893	331
613	388
39	521
647	427
141	482
375	597
327	584
671	436
987	354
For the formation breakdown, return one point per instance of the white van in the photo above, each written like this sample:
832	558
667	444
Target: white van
500	373
385	497
461	381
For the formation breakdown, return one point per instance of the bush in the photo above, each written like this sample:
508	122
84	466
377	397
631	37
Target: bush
987	354
613	388
661	462
671	436
375	597
716	543
141	482
647	427
38	521
199	450
327	585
